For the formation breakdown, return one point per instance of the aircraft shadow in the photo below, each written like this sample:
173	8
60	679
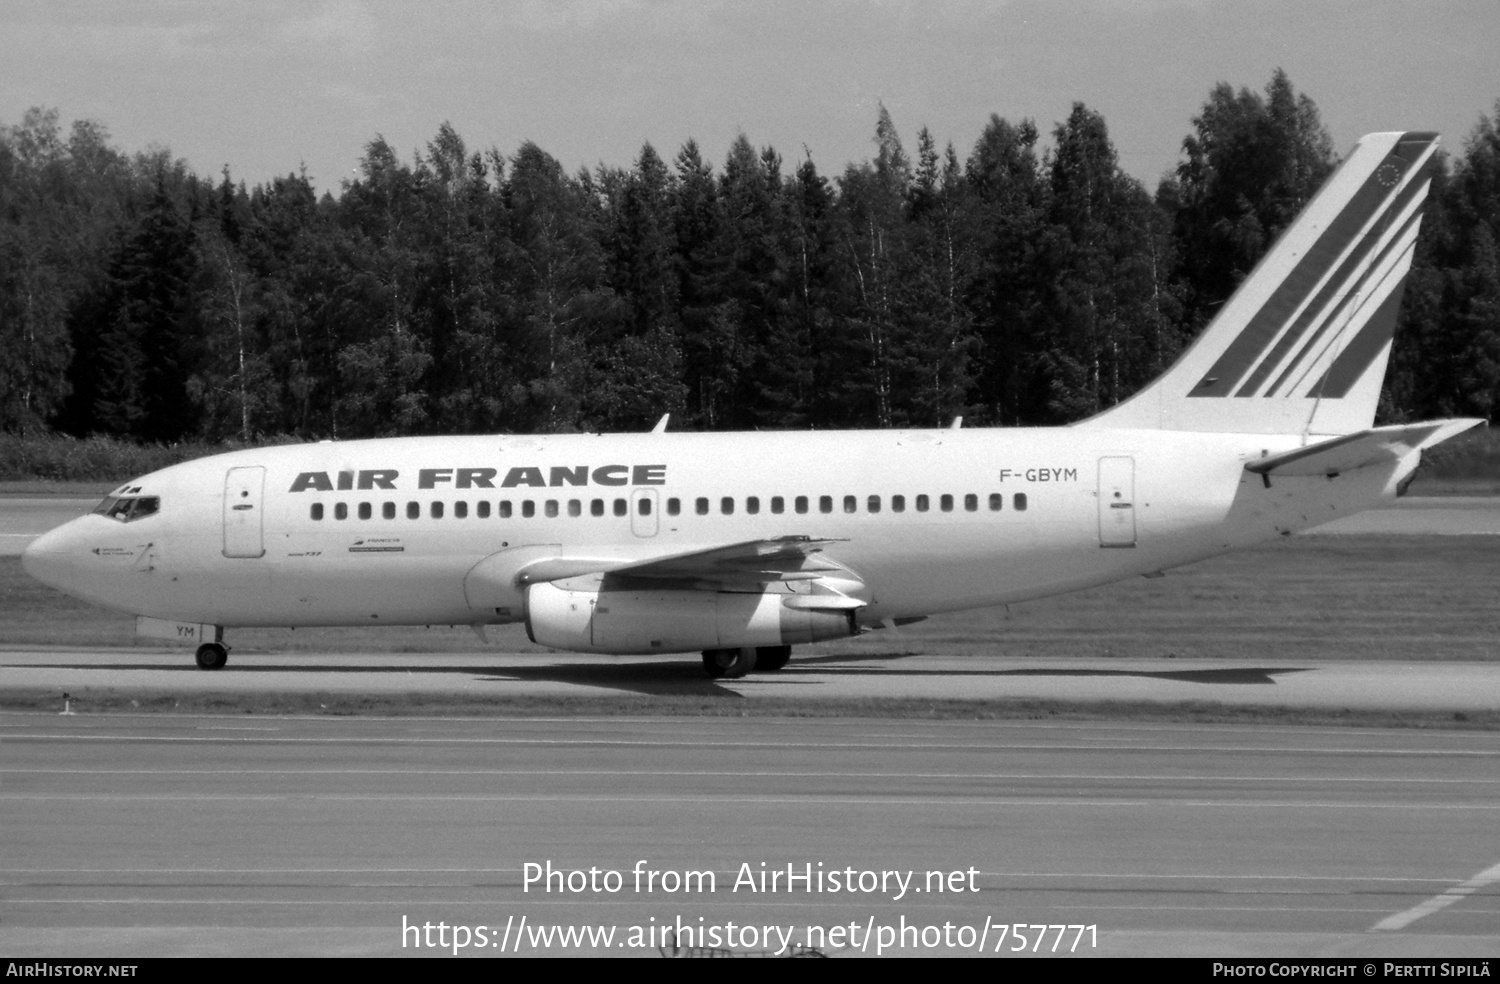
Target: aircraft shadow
1236	675
666	678
681	677
1227	675
684	677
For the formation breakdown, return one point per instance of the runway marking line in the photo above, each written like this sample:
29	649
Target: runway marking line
1437	903
1101	875
918	745
915	800
765	774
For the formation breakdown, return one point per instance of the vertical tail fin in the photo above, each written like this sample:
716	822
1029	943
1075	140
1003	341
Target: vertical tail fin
1302	345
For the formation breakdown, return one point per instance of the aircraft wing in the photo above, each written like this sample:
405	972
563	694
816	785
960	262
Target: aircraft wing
746	564
1376	446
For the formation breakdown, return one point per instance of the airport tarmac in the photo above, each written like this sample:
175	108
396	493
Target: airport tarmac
146	835
23	519
128	835
1432	686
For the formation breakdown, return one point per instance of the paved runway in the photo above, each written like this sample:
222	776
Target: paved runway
148	835
23	520
1454	687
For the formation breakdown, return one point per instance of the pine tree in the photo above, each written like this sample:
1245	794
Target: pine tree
148	341
1007	198
698	222
1250	165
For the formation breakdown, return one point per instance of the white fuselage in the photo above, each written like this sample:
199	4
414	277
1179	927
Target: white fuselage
388	531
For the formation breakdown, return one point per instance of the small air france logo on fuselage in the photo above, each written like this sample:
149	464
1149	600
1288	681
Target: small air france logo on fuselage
483	478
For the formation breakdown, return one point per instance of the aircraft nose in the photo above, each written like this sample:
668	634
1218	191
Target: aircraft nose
50	558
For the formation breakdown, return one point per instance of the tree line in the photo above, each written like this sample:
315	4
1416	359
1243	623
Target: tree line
473	292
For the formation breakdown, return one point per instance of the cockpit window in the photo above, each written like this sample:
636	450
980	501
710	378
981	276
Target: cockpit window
128	510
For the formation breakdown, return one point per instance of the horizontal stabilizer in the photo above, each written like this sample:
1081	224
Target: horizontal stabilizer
1377	446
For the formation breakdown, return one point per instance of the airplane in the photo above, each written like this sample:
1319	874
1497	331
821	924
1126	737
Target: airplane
742	545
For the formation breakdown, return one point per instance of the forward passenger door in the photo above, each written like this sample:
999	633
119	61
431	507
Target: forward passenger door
244	492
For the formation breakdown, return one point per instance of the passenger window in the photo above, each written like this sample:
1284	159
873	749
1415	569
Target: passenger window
317	510
898	503
726	505
364	510
800	504
825	503
436	512
460	510
341	510
752	505
873	504
700	505
922	503
643	505
388	510
505	509
622	508
596	507
778	505
850	503
945	503
575	507
413	510
1020	501
482	509
528	509
996	501
971	502
551	508
674	507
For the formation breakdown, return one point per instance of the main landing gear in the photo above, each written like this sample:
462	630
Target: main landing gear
212	656
731	664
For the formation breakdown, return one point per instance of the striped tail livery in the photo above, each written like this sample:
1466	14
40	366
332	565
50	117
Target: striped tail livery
1301	347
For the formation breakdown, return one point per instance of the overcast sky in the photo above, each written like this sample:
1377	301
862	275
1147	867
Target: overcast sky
266	85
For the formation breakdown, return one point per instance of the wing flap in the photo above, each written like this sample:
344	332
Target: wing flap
737	565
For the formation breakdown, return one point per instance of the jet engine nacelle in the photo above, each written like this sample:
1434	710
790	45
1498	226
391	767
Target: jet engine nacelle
589	617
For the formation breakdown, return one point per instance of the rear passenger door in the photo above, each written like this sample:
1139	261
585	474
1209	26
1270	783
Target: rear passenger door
1117	502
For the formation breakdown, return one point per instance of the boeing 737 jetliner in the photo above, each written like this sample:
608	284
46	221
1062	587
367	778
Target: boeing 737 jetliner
743	545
